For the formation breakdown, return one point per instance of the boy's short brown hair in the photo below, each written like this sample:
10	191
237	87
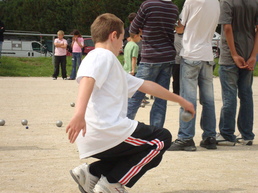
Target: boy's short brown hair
104	25
131	16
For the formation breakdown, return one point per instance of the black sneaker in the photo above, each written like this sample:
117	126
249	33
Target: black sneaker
209	143
185	145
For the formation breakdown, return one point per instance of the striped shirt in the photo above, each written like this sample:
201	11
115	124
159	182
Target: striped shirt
157	20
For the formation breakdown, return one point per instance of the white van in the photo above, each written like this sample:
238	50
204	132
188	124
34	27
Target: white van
24	48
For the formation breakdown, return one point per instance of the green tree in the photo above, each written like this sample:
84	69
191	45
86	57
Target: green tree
179	4
48	16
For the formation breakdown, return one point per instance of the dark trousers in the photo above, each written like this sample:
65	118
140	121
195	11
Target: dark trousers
127	162
175	74
60	60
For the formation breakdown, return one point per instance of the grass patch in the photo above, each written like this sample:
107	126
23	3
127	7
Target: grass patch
43	67
26	67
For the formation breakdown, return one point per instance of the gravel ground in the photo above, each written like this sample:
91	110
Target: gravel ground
38	159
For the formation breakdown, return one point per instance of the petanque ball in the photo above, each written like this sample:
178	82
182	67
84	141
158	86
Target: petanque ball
72	104
24	122
2	122
59	123
186	116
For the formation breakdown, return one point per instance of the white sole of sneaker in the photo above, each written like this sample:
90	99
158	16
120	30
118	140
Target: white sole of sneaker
225	143
76	180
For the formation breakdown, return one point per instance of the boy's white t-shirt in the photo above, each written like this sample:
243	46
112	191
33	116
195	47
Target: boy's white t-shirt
106	121
200	17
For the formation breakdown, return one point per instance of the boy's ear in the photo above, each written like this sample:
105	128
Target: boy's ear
113	35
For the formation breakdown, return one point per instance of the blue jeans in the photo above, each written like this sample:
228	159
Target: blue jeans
193	74
235	81
76	61
159	73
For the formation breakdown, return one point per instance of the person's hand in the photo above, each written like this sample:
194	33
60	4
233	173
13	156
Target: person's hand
188	107
140	32
240	62
74	128
132	73
251	63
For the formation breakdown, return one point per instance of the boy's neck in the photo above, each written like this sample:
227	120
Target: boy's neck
132	40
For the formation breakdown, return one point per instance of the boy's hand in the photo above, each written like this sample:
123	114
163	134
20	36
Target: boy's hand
188	107
74	128
132	73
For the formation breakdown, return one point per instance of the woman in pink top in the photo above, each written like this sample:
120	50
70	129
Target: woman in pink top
60	55
77	45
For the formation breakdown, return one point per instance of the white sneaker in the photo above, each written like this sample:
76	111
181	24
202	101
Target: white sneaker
103	186
244	142
84	178
220	140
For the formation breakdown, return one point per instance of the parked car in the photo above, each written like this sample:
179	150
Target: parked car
215	45
88	46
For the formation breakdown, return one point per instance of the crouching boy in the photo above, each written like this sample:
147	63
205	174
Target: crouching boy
125	148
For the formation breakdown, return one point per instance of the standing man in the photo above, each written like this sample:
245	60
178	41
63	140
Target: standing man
239	47
200	19
179	30
2	29
156	21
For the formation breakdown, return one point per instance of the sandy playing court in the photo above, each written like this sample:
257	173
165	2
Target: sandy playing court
38	159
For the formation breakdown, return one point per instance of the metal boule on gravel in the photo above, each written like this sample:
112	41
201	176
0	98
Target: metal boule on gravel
2	122
24	122
59	123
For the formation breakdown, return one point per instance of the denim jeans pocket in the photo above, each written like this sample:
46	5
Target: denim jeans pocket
211	63
190	69
191	62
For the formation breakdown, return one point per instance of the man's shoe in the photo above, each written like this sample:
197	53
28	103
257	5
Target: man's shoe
145	101
103	186
84	178
244	142
209	143
185	145
220	140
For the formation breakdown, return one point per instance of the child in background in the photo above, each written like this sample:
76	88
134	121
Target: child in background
77	45
131	53
60	55
126	149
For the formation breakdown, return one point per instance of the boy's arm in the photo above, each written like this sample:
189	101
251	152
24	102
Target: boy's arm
134	61
78	123
63	45
60	45
239	60
156	90
252	59
57	44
